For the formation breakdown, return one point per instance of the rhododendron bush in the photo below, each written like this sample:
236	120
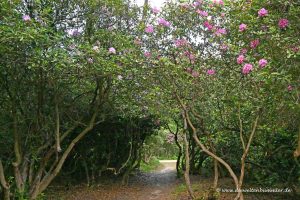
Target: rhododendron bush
230	68
61	70
227	72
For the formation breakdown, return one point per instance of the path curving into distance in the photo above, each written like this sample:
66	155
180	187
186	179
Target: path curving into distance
155	185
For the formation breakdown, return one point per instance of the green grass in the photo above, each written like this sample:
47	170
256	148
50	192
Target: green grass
151	166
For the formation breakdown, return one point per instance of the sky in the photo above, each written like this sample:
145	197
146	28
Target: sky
157	3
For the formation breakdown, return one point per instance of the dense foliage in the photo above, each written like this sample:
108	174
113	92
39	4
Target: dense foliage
99	86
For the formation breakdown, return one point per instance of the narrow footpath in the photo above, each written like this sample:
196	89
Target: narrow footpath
156	185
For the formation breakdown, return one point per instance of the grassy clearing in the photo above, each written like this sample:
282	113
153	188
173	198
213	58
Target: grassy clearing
151	166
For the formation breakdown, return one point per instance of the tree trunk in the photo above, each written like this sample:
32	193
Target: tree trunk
187	162
179	154
216	172
225	164
246	151
48	178
187	168
86	169
4	183
297	151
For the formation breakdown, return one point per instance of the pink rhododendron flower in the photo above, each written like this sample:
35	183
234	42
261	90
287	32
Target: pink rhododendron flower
211	72
197	3
221	31
189	55
202	13
181	42
244	51
224	47
283	23
26	18
254	43
163	22
262	63
290	88
295	49
247	68
195	74
149	29
147	54
112	50
222	14
242	27
155	10
218	2
262	12
208	25
189	70
240	59
75	32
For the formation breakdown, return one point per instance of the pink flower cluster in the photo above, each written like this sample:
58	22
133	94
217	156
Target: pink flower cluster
240	59
155	10
181	42
147	54
197	3
163	22
189	70
221	31
218	2
262	63
112	50
283	23
190	56
262	12
242	27
208	25
75	32
195	74
202	13
244	51
247	68
254	43
211	72
149	29
26	18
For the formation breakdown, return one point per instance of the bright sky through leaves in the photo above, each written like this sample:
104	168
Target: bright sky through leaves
157	3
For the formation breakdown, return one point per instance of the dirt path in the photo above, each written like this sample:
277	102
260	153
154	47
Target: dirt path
156	185
160	183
